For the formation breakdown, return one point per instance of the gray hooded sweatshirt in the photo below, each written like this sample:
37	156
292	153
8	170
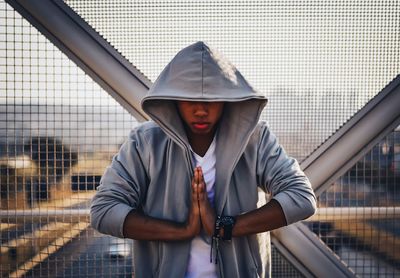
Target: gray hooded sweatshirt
153	170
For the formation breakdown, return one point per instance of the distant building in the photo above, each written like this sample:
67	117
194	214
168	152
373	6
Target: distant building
18	174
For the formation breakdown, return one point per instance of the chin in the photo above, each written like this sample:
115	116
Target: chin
202	132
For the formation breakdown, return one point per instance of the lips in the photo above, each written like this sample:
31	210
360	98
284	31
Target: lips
201	126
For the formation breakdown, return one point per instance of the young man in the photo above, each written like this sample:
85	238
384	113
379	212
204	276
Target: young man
185	186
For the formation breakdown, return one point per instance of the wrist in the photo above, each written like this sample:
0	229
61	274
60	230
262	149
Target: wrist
209	226
224	227
189	230
208	217
222	230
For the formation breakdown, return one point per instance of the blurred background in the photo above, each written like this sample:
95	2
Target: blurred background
318	63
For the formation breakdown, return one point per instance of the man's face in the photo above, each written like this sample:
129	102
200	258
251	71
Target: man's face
201	118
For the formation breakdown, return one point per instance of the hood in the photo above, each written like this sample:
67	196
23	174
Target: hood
200	73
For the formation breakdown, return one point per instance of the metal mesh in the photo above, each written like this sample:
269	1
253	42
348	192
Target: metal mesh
317	61
282	267
58	131
364	229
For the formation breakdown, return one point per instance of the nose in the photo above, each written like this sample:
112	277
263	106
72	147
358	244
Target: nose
200	109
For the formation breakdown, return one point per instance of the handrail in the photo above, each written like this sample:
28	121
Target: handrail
35	215
323	214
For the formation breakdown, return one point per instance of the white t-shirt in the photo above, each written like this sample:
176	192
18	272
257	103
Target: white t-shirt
199	258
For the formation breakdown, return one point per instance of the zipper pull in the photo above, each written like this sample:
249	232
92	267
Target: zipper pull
211	249
216	251
215	239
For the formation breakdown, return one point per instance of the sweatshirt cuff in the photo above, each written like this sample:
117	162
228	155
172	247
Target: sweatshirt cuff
294	210
116	218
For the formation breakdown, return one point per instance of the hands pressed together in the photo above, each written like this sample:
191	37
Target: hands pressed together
142	227
201	212
201	215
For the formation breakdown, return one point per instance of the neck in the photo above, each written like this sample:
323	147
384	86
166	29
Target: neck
200	143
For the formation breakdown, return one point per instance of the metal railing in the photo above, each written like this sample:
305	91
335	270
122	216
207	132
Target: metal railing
323	214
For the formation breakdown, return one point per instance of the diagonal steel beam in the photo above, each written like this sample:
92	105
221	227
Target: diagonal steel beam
355	138
331	160
83	45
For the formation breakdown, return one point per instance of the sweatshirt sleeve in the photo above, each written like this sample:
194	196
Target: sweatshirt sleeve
281	176
122	187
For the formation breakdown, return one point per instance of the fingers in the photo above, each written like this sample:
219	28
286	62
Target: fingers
197	177
199	196
195	191
199	186
200	173
195	200
201	189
